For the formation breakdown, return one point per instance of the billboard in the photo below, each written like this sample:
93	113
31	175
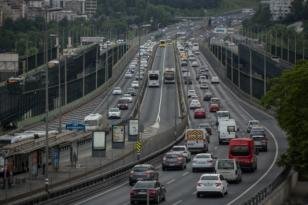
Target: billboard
133	127
118	133
99	140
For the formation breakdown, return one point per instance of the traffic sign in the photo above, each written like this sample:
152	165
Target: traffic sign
138	146
75	126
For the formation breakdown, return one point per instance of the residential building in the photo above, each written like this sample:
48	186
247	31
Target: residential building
91	7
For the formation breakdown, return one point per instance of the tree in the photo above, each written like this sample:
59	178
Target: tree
289	95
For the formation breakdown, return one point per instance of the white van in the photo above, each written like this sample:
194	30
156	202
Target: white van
226	130
222	115
93	121
230	169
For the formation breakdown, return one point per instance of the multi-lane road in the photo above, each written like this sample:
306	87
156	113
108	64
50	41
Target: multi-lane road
180	185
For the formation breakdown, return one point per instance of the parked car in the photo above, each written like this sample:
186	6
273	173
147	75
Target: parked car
142	172
173	160
230	169
114	113
154	189
117	91
203	161
199	113
182	149
212	183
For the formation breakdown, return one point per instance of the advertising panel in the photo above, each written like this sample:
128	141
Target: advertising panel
118	133
133	127
99	140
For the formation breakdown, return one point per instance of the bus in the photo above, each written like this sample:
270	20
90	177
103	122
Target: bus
93	121
153	78
162	43
169	75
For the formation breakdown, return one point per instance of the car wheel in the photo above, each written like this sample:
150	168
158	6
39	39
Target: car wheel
131	183
193	170
222	194
132	202
220	142
226	193
198	195
163	168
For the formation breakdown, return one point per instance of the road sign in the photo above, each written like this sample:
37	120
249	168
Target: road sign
138	146
75	126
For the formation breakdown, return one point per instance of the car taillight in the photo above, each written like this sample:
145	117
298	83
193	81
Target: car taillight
218	184
210	161
179	158
133	192
199	184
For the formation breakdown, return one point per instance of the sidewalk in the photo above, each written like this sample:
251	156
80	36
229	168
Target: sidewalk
23	183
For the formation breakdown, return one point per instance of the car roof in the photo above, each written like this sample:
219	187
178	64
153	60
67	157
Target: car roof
210	175
143	165
203	154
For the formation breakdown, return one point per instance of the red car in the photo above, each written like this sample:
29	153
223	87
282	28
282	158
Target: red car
214	107
199	113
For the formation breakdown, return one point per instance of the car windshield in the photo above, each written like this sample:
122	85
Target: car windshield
114	110
144	184
178	149
223	114
209	177
91	122
203	156
239	150
140	169
122	101
259	138
153	76
225	164
257	132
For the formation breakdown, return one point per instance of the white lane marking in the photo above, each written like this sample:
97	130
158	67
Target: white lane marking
186	173
271	134
178	202
101	194
170	182
161	89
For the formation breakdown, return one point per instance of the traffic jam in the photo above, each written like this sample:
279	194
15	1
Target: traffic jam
216	173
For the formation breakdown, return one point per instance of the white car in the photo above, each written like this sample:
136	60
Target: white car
128	75
212	183
117	91
135	84
195	64
215	80
195	104
128	97
203	161
182	149
114	113
191	93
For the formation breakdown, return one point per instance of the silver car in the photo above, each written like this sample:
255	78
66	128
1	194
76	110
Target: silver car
203	161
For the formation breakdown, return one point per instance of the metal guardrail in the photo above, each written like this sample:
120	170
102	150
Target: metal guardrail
266	192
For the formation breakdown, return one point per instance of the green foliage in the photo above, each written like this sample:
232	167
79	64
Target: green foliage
260	20
289	96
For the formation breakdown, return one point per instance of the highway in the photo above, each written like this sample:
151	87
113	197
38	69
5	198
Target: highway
160	104
180	185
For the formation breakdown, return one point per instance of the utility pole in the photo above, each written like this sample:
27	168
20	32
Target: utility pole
250	74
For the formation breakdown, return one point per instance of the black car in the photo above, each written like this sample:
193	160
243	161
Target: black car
259	137
122	104
142	172
207	96
144	190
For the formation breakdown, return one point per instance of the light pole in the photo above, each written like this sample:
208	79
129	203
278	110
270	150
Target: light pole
46	103
52	64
